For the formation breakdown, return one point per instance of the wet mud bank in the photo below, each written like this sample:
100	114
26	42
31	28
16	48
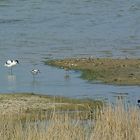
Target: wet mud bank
106	70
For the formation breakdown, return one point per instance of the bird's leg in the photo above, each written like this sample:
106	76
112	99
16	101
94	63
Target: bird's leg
33	77
11	71
66	73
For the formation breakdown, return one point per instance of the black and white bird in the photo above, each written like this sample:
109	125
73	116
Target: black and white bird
138	103
35	72
11	64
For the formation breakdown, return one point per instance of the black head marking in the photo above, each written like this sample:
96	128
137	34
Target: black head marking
17	61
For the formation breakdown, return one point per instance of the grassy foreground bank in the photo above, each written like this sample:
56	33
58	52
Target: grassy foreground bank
110	123
107	70
29	104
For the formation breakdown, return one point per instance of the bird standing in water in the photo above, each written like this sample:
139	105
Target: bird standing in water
66	73
138	103
35	72
11	64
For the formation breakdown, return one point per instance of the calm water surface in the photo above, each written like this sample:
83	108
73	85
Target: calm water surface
31	30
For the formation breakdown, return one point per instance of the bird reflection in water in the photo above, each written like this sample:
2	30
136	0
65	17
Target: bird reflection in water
11	78
35	84
11	82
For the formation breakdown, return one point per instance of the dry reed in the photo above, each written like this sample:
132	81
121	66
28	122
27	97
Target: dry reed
112	123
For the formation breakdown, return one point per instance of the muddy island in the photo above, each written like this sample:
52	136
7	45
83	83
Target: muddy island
106	70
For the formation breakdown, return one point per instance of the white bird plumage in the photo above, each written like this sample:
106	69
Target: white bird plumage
35	71
11	63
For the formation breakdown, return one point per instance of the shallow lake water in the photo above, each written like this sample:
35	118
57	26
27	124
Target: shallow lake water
32	30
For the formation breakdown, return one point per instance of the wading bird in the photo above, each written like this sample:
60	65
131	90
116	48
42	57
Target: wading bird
11	64
138	103
35	72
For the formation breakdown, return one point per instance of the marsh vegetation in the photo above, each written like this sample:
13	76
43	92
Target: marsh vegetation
107	122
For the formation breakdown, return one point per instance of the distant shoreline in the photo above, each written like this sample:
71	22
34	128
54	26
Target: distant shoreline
106	70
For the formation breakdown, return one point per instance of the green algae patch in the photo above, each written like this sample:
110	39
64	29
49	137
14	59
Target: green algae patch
32	106
106	70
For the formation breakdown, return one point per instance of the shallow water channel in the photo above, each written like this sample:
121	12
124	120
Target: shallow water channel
32	30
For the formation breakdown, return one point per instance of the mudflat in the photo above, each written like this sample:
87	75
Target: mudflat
106	70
